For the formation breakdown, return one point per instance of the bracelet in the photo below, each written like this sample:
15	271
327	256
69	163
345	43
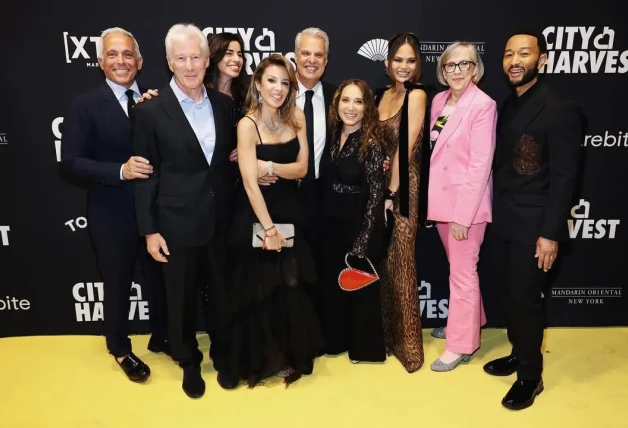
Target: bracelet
270	228
270	236
270	168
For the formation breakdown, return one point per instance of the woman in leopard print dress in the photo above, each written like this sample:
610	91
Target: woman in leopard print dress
402	110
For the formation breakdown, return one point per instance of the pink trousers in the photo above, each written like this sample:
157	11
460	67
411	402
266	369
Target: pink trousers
466	310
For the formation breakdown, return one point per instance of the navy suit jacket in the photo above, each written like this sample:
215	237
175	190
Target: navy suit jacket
97	140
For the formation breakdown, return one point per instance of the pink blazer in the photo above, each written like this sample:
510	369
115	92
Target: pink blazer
461	186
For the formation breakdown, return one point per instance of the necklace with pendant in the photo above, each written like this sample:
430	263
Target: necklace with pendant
272	129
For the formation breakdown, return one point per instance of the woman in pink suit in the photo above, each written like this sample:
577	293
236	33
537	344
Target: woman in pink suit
462	123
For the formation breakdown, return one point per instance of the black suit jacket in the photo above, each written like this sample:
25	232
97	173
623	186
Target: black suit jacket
184	196
536	166
97	140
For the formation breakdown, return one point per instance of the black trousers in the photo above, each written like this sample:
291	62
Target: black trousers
117	252
522	284
310	196
351	320
190	273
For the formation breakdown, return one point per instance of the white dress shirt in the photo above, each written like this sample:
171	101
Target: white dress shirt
320	124
120	93
200	116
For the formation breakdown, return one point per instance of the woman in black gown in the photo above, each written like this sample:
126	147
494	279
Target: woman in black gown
353	210
275	328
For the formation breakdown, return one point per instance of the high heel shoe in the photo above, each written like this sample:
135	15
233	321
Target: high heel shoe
439	366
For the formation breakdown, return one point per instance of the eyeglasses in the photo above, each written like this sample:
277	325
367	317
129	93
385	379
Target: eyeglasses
450	67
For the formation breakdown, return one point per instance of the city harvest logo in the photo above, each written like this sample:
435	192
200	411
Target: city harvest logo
377	49
4	140
56	132
4	235
583	50
607	140
89	298
581	226
81	49
14	304
429	307
257	44
587	296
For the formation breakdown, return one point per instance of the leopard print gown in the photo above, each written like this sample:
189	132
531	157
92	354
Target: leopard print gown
400	293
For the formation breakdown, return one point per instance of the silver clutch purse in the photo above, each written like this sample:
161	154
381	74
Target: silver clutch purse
286	230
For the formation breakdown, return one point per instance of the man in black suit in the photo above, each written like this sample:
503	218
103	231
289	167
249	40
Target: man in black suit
537	157
98	147
186	133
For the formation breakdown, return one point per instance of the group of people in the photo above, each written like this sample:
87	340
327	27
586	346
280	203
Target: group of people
259	196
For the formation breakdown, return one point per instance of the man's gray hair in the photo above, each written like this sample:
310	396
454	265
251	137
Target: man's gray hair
313	32
117	30
186	31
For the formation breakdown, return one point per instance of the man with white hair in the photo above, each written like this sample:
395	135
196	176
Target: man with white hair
186	134
98	148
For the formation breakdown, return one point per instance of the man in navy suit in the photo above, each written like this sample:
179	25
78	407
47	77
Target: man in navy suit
98	147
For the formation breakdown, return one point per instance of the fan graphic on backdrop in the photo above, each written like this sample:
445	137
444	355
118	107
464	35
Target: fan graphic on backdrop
581	226
89	302
583	50
377	49
431	308
257	45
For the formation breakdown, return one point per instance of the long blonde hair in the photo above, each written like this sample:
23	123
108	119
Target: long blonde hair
286	111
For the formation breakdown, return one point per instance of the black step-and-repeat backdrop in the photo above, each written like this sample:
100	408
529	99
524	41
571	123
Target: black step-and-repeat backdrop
49	282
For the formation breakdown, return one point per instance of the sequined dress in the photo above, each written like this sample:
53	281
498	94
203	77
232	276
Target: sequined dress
400	293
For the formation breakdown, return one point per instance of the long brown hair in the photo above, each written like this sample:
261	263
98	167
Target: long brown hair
371	132
286	111
397	41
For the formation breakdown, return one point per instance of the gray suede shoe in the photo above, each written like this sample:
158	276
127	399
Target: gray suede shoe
439	366
439	333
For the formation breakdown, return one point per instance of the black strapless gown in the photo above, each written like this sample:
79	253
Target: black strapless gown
274	323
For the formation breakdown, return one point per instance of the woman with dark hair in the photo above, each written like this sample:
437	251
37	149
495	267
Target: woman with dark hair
275	330
401	109
226	69
353	183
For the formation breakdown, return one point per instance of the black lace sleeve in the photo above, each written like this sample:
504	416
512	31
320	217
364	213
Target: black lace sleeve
375	180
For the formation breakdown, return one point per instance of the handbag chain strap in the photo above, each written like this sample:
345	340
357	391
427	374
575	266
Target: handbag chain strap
367	259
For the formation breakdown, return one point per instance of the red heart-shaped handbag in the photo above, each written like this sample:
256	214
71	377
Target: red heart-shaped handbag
352	279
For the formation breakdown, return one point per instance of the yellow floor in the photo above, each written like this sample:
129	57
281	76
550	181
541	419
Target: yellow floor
71	382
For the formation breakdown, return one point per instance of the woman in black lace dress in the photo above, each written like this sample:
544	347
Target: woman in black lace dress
275	330
353	210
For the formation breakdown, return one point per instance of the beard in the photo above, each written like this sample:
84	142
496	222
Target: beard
528	76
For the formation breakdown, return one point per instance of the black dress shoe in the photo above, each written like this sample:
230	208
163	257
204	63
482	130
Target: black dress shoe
159	345
502	366
193	383
227	381
134	368
522	394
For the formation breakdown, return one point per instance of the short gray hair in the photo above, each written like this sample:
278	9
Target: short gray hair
117	30
312	32
186	31
475	57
